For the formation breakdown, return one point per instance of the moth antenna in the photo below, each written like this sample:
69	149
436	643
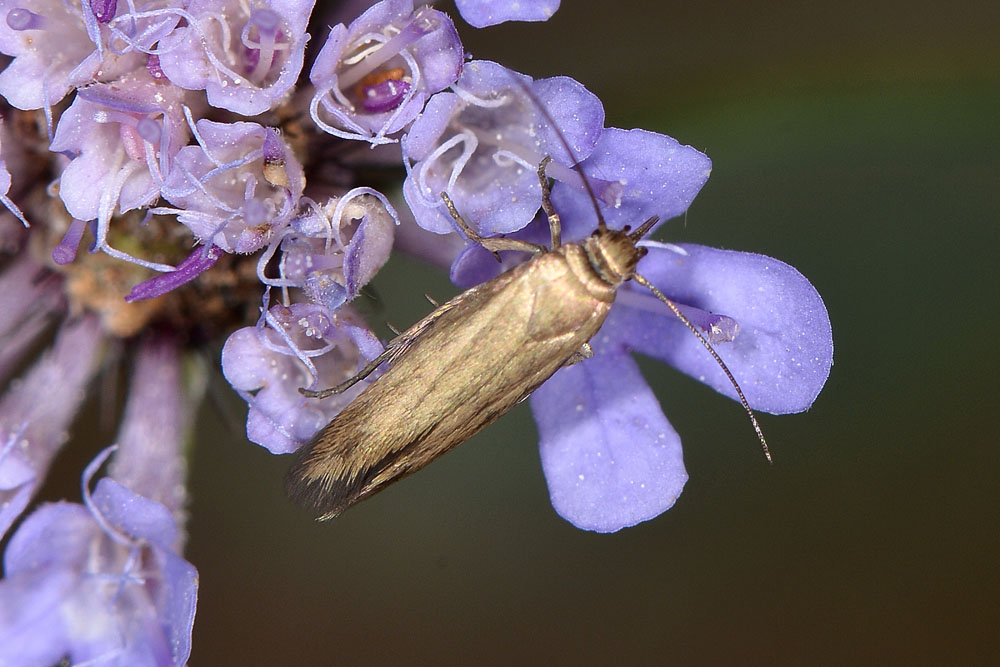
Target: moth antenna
431	300
715	355
601	225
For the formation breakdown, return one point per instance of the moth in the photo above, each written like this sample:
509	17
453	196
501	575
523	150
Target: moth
471	360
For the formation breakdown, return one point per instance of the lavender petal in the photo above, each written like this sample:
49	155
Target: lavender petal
783	351
610	457
483	13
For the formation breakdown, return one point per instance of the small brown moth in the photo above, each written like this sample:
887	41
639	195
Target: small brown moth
471	360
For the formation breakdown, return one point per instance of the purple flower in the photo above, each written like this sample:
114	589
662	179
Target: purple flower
302	345
246	58
332	251
104	581
482	13
482	144
51	49
225	189
609	454
124	136
373	77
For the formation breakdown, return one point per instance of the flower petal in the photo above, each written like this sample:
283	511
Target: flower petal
54	536
483	13
611	459
32	629
647	173
782	353
135	515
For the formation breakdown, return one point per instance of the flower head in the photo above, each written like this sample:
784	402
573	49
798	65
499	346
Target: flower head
200	186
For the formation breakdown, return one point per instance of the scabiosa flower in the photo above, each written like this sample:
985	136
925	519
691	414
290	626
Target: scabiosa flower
245	57
622	463
236	188
331	251
123	136
302	345
373	77
483	142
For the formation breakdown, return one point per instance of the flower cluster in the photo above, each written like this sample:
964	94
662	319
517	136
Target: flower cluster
215	184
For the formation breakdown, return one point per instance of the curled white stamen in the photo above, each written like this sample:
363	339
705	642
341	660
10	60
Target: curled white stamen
338	212
469	143
665	246
475	100
88	501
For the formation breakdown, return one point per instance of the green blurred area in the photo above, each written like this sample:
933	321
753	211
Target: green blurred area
861	144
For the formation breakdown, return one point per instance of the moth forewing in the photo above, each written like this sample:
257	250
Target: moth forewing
455	372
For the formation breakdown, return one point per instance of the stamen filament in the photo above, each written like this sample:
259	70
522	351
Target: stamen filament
420	25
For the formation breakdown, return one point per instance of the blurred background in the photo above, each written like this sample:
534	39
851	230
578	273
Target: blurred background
859	142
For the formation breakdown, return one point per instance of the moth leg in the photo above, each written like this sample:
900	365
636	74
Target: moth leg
555	225
585	352
495	244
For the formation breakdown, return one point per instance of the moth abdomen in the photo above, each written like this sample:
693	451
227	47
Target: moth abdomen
329	476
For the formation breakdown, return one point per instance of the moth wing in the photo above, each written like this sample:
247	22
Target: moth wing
456	371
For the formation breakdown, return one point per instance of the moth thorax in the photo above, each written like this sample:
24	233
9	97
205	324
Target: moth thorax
612	254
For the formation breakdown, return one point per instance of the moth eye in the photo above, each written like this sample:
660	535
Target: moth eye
626	229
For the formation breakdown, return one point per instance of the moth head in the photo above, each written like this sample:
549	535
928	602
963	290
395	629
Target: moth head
613	254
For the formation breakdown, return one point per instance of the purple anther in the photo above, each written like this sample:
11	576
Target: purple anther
153	67
149	129
384	96
199	261
273	148
20	18
267	21
65	252
104	10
